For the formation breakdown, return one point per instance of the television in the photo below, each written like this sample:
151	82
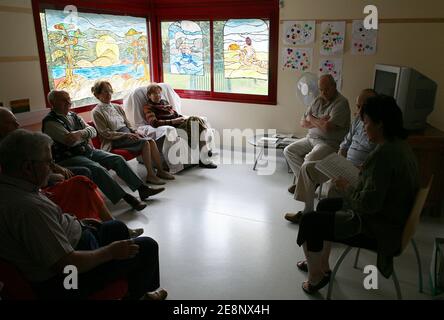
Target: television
414	92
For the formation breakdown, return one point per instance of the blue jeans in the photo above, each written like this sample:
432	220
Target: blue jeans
141	272
99	162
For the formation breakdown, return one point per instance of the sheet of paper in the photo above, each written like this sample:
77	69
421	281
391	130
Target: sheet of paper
363	40
332	37
299	32
332	66
298	59
335	166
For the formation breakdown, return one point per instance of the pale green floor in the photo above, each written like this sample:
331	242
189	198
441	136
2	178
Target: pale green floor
222	235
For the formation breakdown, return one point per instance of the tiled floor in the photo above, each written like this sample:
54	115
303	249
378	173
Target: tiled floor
222	236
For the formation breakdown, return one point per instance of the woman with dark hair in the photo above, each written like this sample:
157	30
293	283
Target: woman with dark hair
376	209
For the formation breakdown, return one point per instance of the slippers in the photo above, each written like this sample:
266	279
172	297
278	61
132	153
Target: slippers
154	180
313	288
302	265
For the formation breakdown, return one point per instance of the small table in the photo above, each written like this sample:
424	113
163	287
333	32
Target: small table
254	140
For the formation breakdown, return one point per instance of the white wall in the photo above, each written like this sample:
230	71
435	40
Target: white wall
419	45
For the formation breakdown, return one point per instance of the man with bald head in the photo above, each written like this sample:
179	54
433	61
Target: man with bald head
72	146
327	120
355	147
8	122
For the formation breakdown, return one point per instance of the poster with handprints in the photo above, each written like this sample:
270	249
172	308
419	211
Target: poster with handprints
332	37
298	59
333	67
299	32
363	40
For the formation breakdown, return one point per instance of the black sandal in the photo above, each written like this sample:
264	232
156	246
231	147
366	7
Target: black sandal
313	288
302	265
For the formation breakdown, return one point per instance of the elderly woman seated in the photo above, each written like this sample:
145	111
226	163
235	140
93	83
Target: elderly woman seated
116	132
158	112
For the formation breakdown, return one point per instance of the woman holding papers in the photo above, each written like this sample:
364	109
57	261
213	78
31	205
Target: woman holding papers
376	208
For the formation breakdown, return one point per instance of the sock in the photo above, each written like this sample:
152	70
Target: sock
308	208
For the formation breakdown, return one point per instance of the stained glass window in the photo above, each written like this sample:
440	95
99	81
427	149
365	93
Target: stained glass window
85	47
241	55
186	54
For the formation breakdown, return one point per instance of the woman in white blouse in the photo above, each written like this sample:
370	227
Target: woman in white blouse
116	132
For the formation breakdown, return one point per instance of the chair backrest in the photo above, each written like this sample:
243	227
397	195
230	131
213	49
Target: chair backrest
171	96
415	214
16	287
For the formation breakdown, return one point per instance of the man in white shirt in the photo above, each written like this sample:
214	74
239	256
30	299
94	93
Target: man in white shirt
40	240
327	120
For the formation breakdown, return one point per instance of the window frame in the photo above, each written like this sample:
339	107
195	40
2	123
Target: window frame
172	10
136	8
156	11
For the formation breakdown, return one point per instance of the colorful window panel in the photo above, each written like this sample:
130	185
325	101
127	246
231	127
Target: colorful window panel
186	54
86	47
241	56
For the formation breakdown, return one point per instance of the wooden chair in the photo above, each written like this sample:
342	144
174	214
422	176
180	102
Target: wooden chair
407	236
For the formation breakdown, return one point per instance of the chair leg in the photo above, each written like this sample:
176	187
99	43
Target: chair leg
396	283
418	260
288	166
259	156
355	264
335	269
320	192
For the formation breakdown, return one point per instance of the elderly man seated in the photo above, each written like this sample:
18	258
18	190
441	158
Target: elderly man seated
327	120
71	137
77	195
41	240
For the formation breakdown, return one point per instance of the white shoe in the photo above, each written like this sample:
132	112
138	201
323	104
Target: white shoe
134	233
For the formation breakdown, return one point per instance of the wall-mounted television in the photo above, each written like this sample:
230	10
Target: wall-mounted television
414	92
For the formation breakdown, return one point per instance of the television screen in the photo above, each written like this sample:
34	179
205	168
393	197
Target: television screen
385	82
414	92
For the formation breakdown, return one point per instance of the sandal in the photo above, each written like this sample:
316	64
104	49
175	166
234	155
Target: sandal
302	265
158	295
165	175
154	180
313	288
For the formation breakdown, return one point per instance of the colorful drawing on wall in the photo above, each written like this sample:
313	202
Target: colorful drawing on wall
246	49
299	32
333	67
186	48
363	40
298	59
332	37
95	46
